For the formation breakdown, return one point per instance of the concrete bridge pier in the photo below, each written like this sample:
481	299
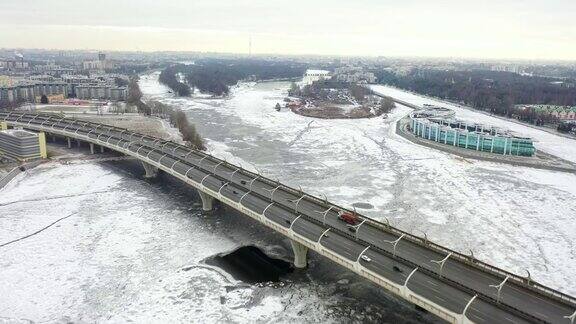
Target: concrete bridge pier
91	148
69	142
207	201
78	141
101	149
300	254
151	171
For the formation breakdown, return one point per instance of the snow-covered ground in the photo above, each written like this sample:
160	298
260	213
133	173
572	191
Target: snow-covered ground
132	251
560	146
514	217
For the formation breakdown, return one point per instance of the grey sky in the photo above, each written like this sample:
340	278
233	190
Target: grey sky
448	28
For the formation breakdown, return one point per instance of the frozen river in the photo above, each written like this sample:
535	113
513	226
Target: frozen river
129	250
133	250
514	217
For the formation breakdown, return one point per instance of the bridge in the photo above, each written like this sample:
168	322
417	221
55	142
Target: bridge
456	287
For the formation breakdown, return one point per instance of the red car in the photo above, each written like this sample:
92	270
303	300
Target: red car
348	217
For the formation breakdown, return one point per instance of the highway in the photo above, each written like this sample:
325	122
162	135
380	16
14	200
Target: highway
461	284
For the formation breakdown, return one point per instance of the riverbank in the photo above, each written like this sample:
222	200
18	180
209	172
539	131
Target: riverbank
540	160
547	129
327	111
461	203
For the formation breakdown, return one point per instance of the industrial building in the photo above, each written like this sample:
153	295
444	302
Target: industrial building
433	124
22	145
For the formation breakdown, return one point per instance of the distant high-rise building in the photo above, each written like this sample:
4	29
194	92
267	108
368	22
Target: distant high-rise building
101	57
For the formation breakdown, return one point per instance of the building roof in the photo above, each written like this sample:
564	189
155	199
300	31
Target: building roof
311	71
18	133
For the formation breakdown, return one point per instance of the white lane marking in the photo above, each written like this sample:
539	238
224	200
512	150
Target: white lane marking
432	283
442	299
545	316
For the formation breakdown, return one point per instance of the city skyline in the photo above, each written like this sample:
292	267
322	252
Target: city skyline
491	30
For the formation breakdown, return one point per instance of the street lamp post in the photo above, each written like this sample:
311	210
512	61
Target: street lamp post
217	165
202	159
321	236
425	238
387	222
272	192
528	277
294	221
325	199
395	243
252	181
357	228
472	258
499	287
441	262
468	304
297	201
361	253
233	173
571	317
224	185
409	276
265	209
324	213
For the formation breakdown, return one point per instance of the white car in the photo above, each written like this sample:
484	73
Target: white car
365	258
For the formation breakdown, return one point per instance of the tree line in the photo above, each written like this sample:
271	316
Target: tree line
169	77
134	97
496	92
215	76
178	118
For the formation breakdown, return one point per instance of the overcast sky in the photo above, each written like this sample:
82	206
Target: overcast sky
530	29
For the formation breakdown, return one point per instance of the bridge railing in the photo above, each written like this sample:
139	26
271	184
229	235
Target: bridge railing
466	259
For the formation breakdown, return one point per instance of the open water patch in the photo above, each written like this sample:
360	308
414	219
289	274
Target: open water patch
251	265
362	205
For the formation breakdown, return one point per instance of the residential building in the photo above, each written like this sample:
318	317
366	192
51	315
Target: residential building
101	92
315	75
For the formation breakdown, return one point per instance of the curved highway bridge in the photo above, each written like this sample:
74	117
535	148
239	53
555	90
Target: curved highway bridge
458	288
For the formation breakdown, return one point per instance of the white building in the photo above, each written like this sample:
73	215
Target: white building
315	75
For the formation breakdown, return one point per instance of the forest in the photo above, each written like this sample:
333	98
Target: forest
493	91
215	76
169	77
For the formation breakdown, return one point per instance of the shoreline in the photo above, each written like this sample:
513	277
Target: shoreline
459	105
299	112
569	167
